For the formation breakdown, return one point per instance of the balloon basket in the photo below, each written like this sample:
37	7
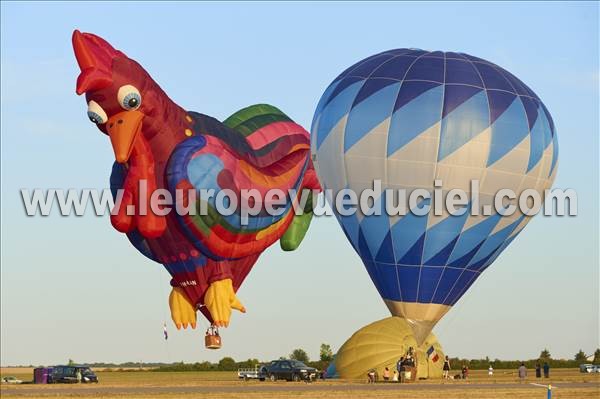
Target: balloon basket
212	342
212	339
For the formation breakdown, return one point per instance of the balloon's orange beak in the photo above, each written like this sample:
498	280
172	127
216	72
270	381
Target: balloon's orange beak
123	128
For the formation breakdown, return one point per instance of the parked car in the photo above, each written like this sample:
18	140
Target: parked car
258	372
589	368
68	375
290	370
87	375
11	380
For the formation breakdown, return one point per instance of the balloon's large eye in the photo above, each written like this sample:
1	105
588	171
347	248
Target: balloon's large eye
129	97
96	113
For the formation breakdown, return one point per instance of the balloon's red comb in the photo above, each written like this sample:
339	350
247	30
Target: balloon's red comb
94	56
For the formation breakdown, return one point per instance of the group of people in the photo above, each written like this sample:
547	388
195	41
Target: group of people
464	371
406	369
522	371
373	376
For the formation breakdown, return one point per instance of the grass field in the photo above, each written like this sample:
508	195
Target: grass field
169	385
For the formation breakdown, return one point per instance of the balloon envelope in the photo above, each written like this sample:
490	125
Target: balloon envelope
409	117
381	344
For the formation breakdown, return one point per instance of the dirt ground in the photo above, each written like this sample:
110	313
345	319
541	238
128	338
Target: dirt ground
567	383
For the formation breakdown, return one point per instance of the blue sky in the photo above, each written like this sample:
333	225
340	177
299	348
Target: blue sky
76	283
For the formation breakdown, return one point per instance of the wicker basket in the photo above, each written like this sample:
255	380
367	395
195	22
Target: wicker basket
212	339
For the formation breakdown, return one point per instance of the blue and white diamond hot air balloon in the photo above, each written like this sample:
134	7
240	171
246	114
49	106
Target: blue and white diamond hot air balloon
409	117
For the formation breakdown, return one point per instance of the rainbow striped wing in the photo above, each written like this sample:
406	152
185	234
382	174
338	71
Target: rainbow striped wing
258	148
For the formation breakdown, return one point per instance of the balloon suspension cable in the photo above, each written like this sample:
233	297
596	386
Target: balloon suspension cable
205	322
165	316
450	318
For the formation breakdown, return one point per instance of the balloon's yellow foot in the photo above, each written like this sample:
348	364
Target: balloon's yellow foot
183	312
219	300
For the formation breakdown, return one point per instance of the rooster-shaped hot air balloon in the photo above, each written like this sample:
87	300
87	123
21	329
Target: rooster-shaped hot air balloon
160	145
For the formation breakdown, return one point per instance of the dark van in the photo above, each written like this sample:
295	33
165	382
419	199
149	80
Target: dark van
68	375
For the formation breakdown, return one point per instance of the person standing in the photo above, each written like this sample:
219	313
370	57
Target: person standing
386	374
546	370
395	376
400	368
371	376
446	369
522	371
409	367
78	375
465	372
538	370
490	371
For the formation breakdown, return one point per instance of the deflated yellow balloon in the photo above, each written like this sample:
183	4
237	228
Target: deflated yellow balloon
381	344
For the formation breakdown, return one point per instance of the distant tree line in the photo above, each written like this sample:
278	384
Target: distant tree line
225	364
127	365
326	356
229	364
545	357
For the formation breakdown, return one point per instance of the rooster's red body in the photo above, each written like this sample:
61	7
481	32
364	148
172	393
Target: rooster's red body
159	145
